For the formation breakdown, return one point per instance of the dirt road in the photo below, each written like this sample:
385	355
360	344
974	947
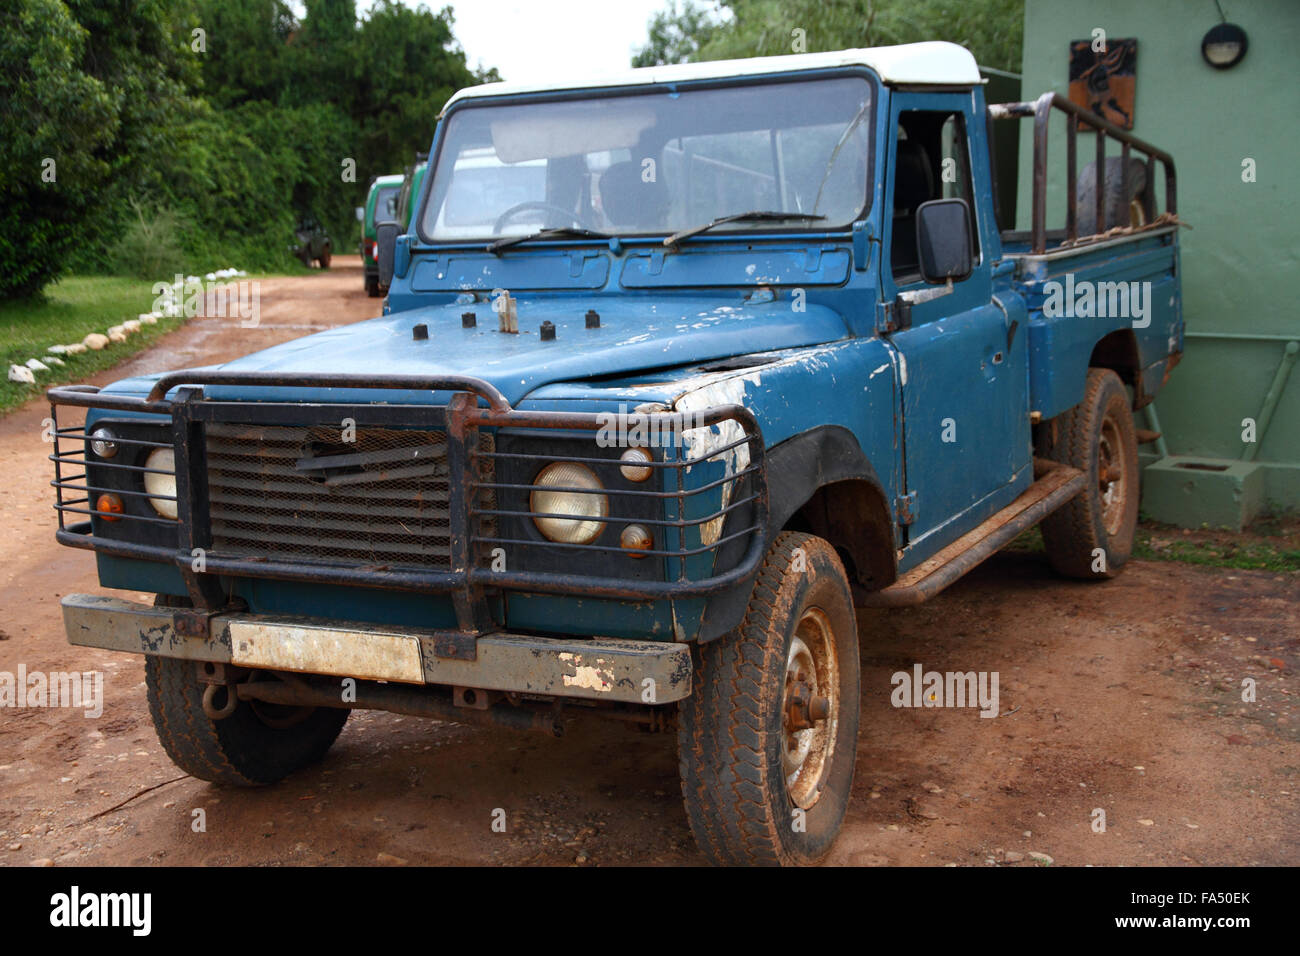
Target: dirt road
1124	697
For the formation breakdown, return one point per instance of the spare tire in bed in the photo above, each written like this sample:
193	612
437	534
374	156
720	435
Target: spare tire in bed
1123	208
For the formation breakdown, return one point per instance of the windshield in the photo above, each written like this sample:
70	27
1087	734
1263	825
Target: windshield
386	203
653	163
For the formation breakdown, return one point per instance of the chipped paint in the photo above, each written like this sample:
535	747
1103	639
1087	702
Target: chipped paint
593	668
318	650
589	676
729	388
705	443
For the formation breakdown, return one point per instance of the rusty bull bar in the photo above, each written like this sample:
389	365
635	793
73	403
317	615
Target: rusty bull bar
731	556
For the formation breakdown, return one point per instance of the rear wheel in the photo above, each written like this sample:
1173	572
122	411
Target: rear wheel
767	741
372	286
1092	535
324	259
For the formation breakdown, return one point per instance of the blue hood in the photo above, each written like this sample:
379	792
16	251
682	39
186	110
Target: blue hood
635	334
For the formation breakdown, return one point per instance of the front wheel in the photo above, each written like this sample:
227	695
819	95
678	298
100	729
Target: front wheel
257	744
767	741
1091	536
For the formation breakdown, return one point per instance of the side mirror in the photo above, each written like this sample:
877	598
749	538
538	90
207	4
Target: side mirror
386	240
943	240
361	214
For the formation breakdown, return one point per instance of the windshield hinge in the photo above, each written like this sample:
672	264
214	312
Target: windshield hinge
905	508
893	316
861	245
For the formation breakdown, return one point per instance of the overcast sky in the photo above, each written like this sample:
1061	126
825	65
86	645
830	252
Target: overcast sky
543	39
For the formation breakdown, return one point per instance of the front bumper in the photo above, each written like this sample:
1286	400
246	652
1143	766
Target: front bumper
595	669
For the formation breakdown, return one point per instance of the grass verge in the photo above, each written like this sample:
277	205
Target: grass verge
1249	550
69	310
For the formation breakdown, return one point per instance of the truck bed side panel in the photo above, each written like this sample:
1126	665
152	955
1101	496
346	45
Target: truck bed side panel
1128	286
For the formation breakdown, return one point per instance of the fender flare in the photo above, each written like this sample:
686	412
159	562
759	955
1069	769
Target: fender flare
797	469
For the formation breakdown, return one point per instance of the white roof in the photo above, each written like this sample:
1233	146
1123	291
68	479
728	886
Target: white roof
934	62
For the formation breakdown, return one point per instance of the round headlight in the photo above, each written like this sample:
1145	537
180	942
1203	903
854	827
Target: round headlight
588	507
634	467
102	444
161	488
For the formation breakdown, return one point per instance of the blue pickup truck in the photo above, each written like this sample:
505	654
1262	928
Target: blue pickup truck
675	370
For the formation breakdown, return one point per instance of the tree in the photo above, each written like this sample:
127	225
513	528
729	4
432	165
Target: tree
991	29
56	122
321	53
676	34
407	66
141	52
225	119
245	40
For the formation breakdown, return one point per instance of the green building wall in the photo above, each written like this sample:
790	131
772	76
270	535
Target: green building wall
1241	256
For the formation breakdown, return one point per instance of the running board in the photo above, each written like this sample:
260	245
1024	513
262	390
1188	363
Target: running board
1056	486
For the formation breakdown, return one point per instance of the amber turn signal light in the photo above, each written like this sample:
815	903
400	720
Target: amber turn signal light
635	540
109	507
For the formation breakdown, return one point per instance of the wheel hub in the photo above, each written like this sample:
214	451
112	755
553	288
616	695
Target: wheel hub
1110	476
809	708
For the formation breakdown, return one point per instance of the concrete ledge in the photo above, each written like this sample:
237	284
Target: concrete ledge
1190	492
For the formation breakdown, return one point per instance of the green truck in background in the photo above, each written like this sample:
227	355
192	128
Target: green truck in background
381	204
410	192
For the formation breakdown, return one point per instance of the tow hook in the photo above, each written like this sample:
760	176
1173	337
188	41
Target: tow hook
219	681
210	708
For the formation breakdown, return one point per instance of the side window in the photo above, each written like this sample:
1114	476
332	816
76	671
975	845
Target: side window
931	161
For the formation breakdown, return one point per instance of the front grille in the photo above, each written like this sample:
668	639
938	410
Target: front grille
304	494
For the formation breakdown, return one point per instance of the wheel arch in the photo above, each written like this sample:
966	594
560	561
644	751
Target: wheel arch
1118	351
821	482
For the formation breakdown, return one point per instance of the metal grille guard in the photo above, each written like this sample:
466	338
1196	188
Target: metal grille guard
474	404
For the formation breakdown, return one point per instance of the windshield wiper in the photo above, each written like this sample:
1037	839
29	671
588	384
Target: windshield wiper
755	216
558	232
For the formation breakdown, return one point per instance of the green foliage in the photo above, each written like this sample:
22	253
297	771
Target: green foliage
247	43
992	29
676	35
193	134
1260	548
140	53
55	123
150	245
394	44
65	313
324	96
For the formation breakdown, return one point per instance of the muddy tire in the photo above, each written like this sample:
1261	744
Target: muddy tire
242	749
1092	536
768	739
372	286
324	259
1121	208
